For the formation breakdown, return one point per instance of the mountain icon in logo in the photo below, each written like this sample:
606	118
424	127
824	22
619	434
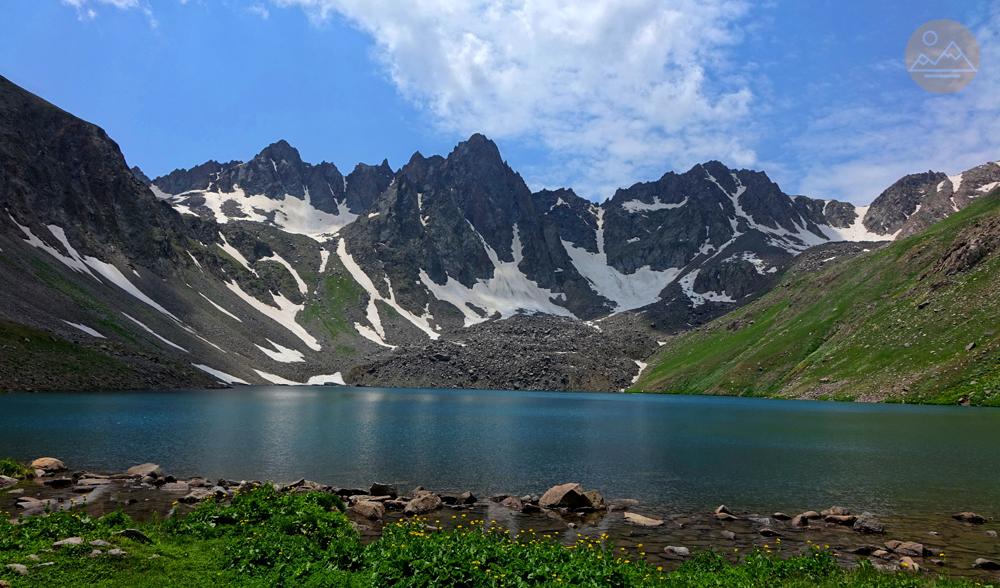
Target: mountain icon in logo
952	62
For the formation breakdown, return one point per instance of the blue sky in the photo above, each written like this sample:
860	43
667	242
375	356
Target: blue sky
586	94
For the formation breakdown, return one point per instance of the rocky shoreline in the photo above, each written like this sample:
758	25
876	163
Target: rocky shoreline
954	544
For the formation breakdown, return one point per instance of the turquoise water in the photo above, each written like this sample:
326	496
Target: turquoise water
676	452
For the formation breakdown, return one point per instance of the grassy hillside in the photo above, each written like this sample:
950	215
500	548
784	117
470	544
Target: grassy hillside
916	321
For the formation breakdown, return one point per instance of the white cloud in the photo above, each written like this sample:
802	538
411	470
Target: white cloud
614	91
858	149
259	10
86	9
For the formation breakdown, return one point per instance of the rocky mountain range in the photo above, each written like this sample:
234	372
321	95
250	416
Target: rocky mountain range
275	270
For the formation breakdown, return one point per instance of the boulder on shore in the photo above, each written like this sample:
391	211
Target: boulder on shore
373	511
422	503
969	517
569	495
48	465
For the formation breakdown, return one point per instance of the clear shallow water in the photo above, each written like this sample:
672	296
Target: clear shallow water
677	453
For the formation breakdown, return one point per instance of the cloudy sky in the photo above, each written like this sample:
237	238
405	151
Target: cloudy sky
588	94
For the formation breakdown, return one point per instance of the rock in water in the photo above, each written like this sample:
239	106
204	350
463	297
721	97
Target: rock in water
569	495
986	564
642	521
145	469
380	489
678	551
867	523
513	503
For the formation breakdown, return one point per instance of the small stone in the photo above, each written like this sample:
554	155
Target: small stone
725	516
728	535
986	564
469	498
71	541
780	516
970	346
513	502
530	508
846	520
678	551
642	521
19	569
991	533
96	553
135	535
34	557
881	553
176	487
116	553
723	509
569	495
906	562
100	543
768	532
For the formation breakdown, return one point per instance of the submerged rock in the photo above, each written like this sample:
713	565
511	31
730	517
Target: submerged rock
642	521
867	523
678	551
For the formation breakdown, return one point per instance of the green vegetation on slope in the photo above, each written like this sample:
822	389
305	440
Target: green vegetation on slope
266	538
915	321
60	360
335	294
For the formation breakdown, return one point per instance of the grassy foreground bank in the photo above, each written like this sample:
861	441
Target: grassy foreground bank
267	538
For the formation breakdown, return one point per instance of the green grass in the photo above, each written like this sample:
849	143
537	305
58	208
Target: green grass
15	469
266	538
336	293
887	325
60	359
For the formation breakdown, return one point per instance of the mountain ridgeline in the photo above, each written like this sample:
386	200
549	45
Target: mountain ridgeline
275	270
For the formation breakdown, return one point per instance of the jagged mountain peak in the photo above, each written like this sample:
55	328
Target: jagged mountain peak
280	150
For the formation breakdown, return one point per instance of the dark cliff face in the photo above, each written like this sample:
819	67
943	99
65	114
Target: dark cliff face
58	169
898	202
365	183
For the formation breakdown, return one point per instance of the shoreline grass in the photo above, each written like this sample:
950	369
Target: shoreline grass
269	538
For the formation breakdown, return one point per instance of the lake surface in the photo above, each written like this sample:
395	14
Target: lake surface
674	453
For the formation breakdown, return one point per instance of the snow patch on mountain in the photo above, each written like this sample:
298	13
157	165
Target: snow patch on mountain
220	375
359	275
220	309
290	213
626	291
699	298
281	354
508	292
640	206
85	329
335	378
284	314
154	333
235	254
303	289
